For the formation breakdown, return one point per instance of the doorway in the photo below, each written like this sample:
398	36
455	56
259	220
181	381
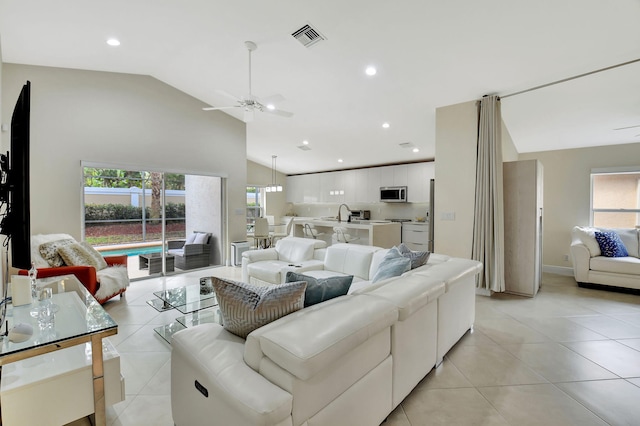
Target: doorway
143	214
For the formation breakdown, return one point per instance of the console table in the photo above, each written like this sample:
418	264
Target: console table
80	319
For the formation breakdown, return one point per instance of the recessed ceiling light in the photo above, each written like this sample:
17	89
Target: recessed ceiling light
371	70
113	42
339	160
271	106
385	125
305	142
416	150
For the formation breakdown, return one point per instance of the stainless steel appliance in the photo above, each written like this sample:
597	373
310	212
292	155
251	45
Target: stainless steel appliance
359	215
430	217
393	194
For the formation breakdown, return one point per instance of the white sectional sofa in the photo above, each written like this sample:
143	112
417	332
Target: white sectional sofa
591	269
346	361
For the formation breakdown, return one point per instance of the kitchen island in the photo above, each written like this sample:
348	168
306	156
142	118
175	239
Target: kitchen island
380	233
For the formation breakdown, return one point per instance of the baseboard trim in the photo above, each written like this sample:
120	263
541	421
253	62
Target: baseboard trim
483	292
558	270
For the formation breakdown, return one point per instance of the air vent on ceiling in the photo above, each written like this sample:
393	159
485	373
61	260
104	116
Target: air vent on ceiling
304	147
406	145
308	35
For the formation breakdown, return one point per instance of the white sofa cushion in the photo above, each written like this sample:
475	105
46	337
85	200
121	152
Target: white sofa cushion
410	293
350	259
293	249
310	340
618	265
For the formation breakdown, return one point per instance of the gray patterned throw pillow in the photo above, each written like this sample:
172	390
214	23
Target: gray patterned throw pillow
246	307
418	258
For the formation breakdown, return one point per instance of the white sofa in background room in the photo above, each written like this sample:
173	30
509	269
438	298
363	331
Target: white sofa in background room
348	360
591	269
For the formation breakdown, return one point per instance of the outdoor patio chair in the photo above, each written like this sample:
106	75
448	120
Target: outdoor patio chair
193	252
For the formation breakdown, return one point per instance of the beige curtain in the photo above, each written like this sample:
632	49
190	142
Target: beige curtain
488	227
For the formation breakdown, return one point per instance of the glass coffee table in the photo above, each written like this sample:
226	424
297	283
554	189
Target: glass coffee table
198	303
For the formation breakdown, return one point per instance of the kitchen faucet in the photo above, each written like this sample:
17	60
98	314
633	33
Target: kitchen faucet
340	208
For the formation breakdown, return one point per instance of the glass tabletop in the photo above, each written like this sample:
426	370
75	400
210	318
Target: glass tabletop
187	299
78	314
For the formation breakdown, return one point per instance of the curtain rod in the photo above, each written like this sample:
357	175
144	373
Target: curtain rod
564	80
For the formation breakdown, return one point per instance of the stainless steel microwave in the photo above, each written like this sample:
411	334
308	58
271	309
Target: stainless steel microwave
393	194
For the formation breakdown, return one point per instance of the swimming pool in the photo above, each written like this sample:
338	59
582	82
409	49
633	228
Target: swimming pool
134	251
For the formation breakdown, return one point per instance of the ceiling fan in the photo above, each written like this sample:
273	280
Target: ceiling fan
251	103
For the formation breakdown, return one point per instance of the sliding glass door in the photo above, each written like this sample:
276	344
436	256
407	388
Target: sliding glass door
153	218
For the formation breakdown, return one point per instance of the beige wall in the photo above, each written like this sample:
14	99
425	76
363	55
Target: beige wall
567	190
456	136
259	175
121	120
456	146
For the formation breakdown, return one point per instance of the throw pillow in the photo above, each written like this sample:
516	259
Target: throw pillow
245	307
201	238
76	254
49	252
418	258
611	245
394	264
321	289
96	255
190	239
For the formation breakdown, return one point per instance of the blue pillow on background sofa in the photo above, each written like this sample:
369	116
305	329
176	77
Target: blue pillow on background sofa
611	245
321	289
394	264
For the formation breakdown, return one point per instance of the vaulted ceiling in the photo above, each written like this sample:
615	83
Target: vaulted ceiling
427	53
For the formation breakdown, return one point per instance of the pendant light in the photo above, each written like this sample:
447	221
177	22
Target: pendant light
274	187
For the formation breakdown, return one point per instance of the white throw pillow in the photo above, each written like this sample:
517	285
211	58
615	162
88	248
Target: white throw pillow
587	235
201	238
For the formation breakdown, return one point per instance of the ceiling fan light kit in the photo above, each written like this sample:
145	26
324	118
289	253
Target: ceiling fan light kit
251	103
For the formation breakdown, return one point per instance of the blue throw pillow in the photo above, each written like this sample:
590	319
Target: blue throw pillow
394	264
611	245
321	289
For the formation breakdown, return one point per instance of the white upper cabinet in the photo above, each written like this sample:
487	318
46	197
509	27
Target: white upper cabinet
311	188
361	185
419	175
294	189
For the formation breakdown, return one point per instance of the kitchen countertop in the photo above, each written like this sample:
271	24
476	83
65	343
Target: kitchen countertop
359	224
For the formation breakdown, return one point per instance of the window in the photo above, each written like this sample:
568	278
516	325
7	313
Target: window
615	198
256	199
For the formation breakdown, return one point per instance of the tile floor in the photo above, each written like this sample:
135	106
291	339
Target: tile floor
569	356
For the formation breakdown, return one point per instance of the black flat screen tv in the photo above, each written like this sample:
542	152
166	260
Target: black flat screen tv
17	222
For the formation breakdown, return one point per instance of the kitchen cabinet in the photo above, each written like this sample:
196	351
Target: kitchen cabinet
294	189
415	235
418	177
360	186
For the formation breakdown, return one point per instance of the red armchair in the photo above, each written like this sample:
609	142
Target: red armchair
85	274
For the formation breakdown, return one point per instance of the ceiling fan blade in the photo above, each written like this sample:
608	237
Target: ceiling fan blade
279	112
217	108
273	99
